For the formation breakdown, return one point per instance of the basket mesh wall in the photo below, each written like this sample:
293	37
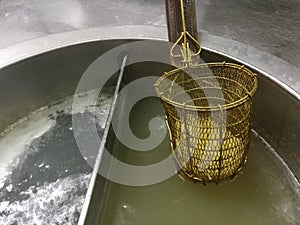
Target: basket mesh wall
208	114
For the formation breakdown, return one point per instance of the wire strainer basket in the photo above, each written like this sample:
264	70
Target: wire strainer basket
208	109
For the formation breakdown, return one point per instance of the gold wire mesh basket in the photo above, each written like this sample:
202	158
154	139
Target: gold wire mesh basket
208	109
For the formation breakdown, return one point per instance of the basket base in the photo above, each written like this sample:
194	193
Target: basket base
184	175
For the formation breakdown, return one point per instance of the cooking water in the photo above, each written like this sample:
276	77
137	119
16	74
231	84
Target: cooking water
44	178
266	193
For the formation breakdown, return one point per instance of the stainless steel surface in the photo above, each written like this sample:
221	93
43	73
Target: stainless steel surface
270	26
174	18
285	73
261	34
46	78
91	189
29	80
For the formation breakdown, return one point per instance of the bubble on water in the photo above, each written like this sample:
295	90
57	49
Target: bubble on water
9	188
38	184
17	141
57	203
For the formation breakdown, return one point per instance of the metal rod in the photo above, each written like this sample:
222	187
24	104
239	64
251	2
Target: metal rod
174	19
90	190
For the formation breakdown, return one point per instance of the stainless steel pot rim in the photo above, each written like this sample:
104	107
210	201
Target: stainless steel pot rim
274	68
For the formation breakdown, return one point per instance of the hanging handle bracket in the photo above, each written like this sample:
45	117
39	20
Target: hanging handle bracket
187	54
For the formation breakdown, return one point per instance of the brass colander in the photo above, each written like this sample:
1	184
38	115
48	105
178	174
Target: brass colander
208	112
208	109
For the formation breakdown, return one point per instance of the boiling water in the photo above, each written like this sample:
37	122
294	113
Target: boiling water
43	176
264	194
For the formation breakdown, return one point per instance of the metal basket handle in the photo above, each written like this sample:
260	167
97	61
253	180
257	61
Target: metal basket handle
186	53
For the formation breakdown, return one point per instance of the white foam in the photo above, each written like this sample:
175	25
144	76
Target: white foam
15	142
9	188
52	203
15	139
85	102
